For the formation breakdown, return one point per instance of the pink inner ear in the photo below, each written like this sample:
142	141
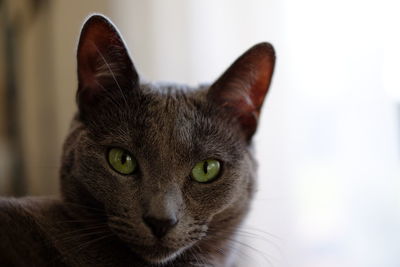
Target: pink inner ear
252	103
96	39
242	88
88	61
87	64
261	84
103	60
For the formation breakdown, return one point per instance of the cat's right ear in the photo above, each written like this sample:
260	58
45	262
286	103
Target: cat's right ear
103	62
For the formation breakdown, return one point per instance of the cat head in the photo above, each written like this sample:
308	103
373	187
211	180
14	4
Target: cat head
168	166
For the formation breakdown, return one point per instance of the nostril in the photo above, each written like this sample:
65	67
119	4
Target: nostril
159	227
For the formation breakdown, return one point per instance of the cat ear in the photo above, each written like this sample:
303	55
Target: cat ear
242	88
103	62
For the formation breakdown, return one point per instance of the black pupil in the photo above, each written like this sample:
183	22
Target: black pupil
205	167
124	157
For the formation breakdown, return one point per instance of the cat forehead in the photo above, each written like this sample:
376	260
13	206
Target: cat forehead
166	91
167	116
173	103
171	114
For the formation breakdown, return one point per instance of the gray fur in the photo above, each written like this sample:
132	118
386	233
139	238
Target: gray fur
98	221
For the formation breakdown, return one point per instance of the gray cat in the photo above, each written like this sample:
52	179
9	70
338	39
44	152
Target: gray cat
152	175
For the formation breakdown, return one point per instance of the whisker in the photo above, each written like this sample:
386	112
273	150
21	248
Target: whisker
248	227
79	221
201	259
75	249
71	233
84	207
73	237
259	252
236	252
245	234
215	234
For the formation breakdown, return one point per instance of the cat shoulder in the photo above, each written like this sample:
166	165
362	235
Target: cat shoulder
23	231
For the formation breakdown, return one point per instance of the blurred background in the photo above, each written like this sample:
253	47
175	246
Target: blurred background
329	140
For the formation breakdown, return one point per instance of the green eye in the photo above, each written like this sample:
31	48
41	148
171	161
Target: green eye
206	170
121	161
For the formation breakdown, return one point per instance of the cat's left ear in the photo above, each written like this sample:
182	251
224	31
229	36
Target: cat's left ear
241	90
104	63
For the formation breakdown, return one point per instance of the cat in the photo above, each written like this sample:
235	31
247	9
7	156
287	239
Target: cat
151	175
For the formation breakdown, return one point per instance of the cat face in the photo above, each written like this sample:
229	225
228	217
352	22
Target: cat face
169	165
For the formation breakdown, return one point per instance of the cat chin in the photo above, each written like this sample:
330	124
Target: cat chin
157	254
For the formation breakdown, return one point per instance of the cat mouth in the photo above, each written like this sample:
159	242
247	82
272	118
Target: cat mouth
156	252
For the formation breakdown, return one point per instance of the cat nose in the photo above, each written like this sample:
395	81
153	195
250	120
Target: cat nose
159	227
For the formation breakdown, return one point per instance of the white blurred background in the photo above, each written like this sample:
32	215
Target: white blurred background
328	144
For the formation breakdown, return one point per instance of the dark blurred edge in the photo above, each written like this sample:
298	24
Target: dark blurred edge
11	31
